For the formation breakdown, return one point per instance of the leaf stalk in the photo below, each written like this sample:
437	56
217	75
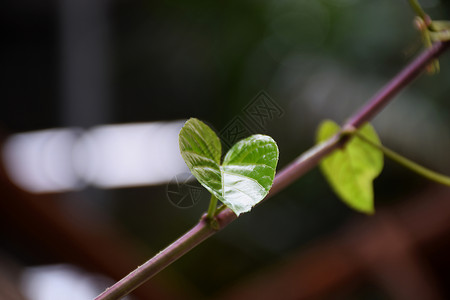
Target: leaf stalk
212	207
413	166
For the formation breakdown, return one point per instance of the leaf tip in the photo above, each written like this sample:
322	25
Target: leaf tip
370	210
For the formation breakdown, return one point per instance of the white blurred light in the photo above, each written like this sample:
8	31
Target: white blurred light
41	161
60	282
130	154
107	156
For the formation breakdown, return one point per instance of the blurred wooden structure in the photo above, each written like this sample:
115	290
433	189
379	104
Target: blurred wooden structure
396	250
42	232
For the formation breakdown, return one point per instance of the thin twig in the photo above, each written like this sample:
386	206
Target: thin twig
407	163
285	177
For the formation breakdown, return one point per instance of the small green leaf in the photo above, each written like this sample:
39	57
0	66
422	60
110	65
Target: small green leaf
247	173
201	150
351	170
248	170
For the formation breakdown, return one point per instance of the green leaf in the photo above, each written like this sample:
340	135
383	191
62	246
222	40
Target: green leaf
201	150
247	172
350	171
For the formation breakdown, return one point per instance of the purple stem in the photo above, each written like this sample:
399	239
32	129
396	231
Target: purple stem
285	177
405	77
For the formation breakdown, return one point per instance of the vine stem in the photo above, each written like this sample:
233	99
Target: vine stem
285	177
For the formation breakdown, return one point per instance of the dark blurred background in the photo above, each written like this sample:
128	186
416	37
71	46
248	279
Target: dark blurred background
76	66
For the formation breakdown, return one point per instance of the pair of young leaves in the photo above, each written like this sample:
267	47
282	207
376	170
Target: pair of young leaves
246	174
243	178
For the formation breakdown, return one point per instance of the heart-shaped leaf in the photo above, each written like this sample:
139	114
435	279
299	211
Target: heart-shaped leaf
246	174
351	170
